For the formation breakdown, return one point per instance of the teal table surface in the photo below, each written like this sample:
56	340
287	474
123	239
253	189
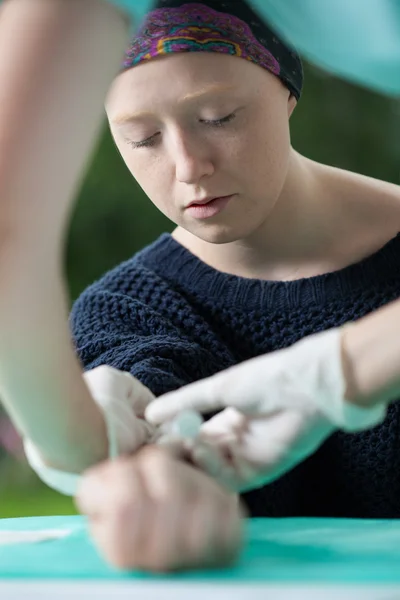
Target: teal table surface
341	551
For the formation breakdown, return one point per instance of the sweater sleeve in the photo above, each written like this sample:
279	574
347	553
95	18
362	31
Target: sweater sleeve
127	334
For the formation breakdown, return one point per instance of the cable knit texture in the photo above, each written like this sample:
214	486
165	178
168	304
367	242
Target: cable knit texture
170	319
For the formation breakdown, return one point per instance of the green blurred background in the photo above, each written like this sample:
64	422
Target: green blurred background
335	123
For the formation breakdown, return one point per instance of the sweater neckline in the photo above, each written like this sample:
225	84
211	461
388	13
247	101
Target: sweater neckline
172	261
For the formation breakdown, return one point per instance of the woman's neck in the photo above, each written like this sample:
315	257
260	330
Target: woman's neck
324	220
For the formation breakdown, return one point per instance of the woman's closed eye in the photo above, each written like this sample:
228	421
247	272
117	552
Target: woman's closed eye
147	143
151	141
219	122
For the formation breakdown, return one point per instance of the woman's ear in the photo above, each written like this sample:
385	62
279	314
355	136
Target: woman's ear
292	102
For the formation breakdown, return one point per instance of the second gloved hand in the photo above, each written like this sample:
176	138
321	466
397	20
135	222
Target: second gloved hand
279	408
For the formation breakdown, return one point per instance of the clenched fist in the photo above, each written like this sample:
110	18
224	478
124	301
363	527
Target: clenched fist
153	512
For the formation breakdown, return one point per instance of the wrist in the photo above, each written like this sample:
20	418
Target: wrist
370	362
326	376
347	348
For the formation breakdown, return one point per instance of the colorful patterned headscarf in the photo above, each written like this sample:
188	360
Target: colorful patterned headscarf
215	26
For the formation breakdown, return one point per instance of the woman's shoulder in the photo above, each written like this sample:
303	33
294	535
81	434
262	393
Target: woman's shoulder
370	207
132	277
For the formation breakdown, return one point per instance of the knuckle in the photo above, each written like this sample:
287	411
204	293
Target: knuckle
101	471
107	382
154	458
162	485
216	389
124	504
126	489
123	559
120	468
139	396
99	375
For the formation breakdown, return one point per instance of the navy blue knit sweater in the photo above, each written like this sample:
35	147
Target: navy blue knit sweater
170	319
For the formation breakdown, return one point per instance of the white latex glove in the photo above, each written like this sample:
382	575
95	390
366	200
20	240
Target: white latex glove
122	399
279	408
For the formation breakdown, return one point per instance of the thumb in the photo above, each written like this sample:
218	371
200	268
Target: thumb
203	396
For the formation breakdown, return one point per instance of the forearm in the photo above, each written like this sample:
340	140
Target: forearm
51	109
51	106
371	353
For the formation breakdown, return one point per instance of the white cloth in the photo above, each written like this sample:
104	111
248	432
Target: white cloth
122	400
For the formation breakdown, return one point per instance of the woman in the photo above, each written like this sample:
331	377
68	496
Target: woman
58	449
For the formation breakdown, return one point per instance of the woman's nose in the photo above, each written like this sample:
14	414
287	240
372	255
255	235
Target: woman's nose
193	161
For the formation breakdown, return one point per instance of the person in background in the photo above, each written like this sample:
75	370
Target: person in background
272	255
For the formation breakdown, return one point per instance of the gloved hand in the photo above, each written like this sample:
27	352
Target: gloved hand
280	409
122	399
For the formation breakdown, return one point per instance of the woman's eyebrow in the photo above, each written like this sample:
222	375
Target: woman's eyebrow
123	119
208	91
212	89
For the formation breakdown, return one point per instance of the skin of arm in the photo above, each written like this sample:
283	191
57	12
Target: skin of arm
371	345
371	357
57	60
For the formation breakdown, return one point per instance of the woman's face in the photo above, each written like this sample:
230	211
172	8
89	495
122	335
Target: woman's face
196	126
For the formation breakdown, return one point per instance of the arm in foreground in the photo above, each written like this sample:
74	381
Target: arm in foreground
51	98
131	353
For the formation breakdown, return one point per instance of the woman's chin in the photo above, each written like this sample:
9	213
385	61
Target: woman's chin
217	234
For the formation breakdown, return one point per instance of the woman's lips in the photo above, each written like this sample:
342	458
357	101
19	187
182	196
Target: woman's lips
212	208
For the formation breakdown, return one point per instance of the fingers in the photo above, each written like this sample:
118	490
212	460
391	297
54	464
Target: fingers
243	386
202	547
162	548
105	382
123	532
155	513
218	450
243	453
214	460
177	448
122	399
232	534
203	396
213	531
118	507
93	490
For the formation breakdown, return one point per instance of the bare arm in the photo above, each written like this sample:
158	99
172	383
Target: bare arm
371	352
57	60
372	345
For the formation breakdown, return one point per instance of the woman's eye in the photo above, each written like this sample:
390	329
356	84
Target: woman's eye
219	122
151	141
147	143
